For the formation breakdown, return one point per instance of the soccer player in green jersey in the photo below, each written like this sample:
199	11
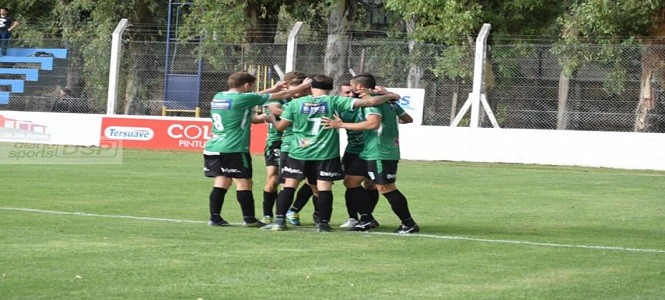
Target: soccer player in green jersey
358	186
314	153
293	79
271	155
382	154
226	154
362	199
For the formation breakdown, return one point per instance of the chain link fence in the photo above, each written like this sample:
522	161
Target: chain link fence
524	84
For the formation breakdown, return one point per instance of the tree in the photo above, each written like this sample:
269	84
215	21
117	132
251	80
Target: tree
609	24
340	19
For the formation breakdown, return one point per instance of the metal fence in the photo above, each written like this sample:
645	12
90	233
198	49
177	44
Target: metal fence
523	83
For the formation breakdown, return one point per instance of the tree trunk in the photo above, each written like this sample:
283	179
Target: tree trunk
137	89
415	70
653	71
339	22
562	111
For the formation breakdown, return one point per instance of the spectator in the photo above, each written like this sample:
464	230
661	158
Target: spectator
7	25
64	102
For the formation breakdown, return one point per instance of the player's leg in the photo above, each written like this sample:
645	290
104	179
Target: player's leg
326	172
212	168
302	197
385	184
292	174
272	156
354	196
239	167
353	178
372	194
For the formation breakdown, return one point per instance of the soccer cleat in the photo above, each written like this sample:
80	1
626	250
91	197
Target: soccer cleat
323	227
222	222
266	220
406	230
274	227
293	217
256	223
315	218
366	225
349	224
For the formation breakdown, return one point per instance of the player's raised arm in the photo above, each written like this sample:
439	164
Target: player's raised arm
375	100
288	93
372	122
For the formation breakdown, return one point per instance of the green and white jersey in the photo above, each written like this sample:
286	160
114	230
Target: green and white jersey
383	143
273	134
311	141
231	114
287	134
355	143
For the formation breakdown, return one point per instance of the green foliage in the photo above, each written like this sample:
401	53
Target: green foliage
611	25
503	58
455	62
213	24
443	21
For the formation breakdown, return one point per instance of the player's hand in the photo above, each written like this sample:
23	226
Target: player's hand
279	86
380	90
332	123
306	83
362	93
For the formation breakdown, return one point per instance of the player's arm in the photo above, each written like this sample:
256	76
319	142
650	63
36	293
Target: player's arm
279	86
371	122
280	124
306	84
405	118
258	119
375	100
275	108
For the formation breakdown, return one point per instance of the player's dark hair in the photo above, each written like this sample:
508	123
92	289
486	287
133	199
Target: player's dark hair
366	80
289	76
239	79
296	81
323	82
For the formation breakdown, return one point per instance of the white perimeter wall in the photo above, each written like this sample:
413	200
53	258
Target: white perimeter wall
624	150
621	150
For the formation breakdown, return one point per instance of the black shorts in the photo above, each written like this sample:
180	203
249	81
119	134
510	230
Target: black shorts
313	170
354	165
272	153
232	165
382	171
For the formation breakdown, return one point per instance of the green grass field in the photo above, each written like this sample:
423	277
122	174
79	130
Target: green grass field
489	231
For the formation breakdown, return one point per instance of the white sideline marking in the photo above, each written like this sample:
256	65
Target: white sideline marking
97	215
444	237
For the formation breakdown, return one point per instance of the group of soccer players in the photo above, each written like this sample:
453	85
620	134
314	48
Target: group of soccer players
303	144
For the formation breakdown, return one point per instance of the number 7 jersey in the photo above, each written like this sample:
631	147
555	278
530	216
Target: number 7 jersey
311	141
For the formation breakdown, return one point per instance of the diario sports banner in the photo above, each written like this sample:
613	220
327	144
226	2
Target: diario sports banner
169	134
412	102
49	128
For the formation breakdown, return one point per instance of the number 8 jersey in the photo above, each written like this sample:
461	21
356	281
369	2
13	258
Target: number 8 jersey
231	114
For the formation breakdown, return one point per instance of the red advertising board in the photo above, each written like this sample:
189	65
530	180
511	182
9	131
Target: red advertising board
169	134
